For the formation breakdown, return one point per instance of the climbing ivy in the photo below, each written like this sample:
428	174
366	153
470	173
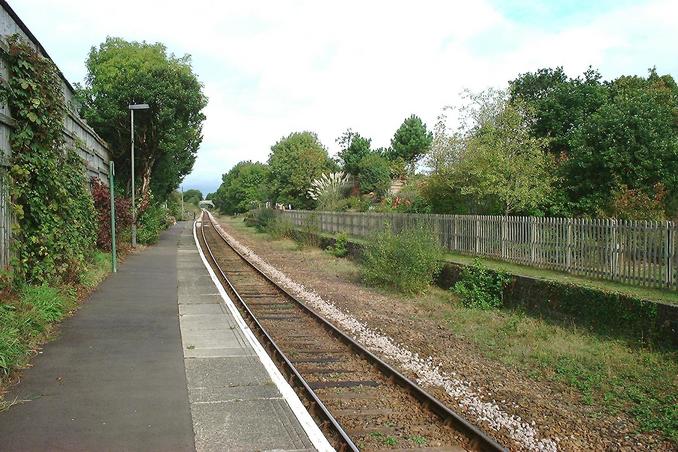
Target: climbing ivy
55	221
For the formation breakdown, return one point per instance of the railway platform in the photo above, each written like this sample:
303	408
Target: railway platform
153	361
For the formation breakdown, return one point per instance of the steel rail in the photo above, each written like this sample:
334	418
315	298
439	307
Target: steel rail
477	437
317	404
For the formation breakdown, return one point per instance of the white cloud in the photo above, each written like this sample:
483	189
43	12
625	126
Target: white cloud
273	67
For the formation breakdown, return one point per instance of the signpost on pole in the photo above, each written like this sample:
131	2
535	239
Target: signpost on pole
111	188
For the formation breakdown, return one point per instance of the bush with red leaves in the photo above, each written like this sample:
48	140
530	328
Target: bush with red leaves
102	203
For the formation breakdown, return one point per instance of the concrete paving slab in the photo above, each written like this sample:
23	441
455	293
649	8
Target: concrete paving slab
233	393
238	425
215	352
231	371
203	308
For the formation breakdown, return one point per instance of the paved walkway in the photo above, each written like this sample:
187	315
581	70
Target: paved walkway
118	377
114	379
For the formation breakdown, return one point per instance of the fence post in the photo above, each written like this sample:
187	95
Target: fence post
502	232
533	239
477	233
669	254
615	250
568	247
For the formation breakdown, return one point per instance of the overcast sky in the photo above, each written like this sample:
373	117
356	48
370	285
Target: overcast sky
270	68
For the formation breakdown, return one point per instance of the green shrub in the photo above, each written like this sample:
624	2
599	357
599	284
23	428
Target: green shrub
309	232
262	218
355	204
280	228
340	247
151	223
481	288
47	304
249	218
12	348
407	261
375	174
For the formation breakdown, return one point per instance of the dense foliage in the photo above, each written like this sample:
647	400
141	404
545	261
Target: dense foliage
243	187
480	287
192	196
407	261
56	227
168	135
549	145
295	161
354	148
375	174
606	135
152	221
102	204
411	141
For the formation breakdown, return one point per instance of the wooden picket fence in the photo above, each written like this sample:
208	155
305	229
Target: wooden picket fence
643	253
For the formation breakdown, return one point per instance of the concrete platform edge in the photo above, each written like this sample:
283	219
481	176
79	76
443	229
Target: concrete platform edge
311	429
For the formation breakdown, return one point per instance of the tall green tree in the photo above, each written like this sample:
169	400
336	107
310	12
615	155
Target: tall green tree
559	104
630	141
168	135
375	174
295	161
604	135
193	196
244	186
411	141
502	161
354	148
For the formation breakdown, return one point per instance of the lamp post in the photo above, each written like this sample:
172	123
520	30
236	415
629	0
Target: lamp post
133	107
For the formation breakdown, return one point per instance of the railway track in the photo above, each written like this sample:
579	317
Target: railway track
359	401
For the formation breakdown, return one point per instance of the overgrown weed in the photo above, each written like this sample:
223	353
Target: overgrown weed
406	262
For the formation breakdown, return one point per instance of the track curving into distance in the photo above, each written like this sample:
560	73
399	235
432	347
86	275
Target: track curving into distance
359	401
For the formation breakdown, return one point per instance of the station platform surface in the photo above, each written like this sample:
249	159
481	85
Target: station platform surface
119	377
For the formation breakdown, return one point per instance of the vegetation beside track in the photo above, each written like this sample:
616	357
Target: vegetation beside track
610	376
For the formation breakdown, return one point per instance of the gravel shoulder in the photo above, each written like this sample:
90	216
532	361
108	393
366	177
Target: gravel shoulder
422	324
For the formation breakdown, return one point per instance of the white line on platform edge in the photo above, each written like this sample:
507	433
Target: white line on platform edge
315	435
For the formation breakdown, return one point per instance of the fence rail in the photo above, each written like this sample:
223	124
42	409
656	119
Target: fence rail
643	253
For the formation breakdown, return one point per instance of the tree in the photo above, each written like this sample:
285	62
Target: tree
504	162
445	148
631	141
558	104
411	141
193	196
604	135
295	161
168	135
244	186
353	148
375	174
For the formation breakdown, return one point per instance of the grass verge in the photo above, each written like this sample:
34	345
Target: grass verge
610	375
